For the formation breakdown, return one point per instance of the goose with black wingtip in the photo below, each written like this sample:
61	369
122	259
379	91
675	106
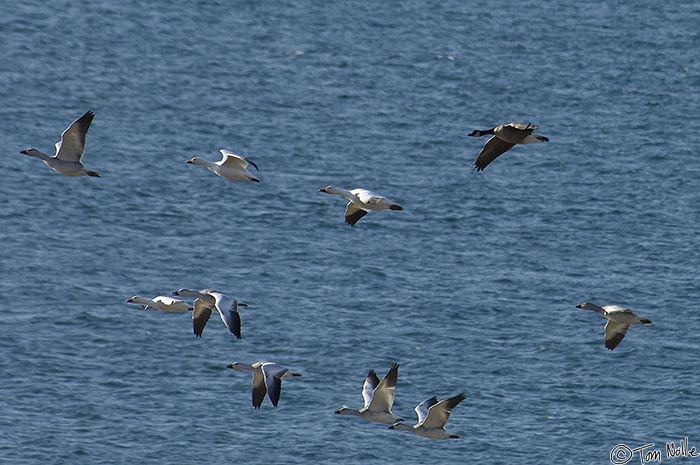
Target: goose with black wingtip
267	379
232	166
432	418
360	202
378	397
69	150
619	321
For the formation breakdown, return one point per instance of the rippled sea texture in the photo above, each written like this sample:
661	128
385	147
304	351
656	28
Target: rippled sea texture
472	288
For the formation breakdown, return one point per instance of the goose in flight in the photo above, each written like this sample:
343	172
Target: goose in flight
162	303
505	137
69	150
361	201
231	166
619	321
267	378
378	396
432	418
205	302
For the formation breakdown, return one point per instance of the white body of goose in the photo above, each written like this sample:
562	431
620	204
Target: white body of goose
205	302
162	303
505	137
619	321
231	166
267	378
69	150
432	418
360	202
378	397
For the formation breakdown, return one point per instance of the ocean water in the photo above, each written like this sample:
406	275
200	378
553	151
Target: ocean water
472	288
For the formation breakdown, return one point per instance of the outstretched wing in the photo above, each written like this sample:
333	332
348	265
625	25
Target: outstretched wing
228	310
439	413
370	384
259	388
72	144
423	407
273	380
383	397
235	161
200	316
614	334
493	149
353	213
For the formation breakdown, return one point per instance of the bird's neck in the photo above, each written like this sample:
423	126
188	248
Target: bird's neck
36	154
348	195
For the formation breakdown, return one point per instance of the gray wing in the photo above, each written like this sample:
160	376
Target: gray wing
529	127
273	380
200	316
422	408
370	384
614	334
233	160
72	144
383	396
353	213
493	148
228	310
439	413
259	388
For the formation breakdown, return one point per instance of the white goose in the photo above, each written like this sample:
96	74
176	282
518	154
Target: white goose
69	150
432	418
361	201
162	303
205	302
231	166
378	396
619	321
267	378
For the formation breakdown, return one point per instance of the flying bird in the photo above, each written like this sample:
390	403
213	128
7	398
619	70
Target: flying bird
267	378
205	302
378	397
361	201
162	303
505	137
619	321
432	418
69	150
231	166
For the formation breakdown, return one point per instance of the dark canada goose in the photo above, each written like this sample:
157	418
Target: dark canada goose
505	137
619	321
69	150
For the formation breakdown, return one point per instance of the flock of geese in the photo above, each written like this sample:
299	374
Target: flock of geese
267	376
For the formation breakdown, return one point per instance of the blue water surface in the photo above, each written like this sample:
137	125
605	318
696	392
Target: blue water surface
472	288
